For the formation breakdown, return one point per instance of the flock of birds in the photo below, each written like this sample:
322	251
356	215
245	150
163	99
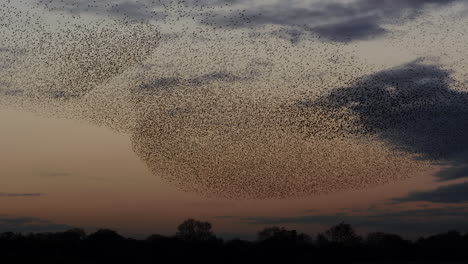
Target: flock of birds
232	112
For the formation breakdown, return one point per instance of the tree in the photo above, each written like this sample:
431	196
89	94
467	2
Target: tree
342	234
281	234
9	236
193	230
322	240
73	234
105	235
384	240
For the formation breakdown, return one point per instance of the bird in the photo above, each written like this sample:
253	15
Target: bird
238	102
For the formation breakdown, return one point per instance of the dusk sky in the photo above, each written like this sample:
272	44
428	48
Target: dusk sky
136	115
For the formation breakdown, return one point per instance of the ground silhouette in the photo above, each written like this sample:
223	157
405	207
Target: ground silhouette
195	242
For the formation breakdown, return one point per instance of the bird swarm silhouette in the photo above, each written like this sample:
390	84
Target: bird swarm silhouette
227	111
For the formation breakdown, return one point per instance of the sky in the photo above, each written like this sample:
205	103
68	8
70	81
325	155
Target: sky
136	115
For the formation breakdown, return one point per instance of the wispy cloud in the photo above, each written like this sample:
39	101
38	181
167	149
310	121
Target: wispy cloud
455	193
167	84
29	224
429	220
457	170
337	21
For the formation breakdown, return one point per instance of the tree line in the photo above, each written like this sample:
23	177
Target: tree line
195	242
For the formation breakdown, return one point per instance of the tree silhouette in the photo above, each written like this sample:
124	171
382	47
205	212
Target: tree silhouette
8	236
281	234
342	234
105	235
384	240
322	240
73	234
196	243
193	230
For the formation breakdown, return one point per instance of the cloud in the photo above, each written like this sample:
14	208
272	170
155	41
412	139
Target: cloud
121	9
29	224
157	10
408	221
340	21
456	172
355	29
458	169
336	21
411	107
169	83
159	84
455	193
3	194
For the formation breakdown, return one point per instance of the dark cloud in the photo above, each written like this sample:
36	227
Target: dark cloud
412	107
455	193
292	35
338	21
168	83
457	170
408	221
3	194
355	29
29	224
120	9
134	10
157	85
